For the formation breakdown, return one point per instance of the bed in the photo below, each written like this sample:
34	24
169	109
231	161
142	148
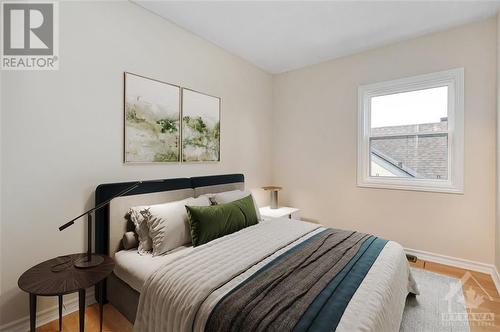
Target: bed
278	275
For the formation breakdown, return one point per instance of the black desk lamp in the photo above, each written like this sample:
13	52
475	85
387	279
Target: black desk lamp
92	260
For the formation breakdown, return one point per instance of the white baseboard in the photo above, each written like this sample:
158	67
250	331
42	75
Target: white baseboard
458	262
496	278
49	314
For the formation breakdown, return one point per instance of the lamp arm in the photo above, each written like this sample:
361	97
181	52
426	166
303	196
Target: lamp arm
103	204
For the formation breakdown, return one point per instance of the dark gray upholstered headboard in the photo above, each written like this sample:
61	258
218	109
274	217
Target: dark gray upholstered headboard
106	234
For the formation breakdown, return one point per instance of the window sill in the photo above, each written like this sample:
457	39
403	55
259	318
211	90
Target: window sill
426	187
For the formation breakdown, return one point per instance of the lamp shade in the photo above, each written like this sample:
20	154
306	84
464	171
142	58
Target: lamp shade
274	195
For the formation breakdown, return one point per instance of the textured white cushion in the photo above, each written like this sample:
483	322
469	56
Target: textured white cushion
168	224
233	195
138	215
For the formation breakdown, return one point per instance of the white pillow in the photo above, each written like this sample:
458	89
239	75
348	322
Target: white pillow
234	195
138	215
168	224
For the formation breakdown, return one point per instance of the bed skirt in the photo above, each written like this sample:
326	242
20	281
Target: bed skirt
123	297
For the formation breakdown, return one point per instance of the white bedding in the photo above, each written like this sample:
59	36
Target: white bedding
379	301
134	268
180	294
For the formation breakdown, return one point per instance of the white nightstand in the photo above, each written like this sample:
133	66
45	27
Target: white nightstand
281	212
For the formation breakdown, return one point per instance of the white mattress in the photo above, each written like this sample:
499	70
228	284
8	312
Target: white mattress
135	269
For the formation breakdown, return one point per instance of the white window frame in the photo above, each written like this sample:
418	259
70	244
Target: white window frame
454	80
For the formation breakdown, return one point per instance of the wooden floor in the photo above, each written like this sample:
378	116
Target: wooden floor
113	321
479	290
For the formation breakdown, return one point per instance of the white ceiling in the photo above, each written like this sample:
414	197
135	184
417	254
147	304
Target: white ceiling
279	36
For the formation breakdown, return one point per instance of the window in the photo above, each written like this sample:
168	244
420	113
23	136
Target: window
411	133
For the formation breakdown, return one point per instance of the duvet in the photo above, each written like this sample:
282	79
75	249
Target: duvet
280	275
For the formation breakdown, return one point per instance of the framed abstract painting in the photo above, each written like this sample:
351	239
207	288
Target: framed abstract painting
152	120
200	127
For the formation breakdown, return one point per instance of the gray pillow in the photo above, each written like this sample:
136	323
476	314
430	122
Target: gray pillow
129	240
234	195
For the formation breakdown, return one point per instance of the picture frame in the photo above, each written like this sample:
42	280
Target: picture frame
200	127
152	120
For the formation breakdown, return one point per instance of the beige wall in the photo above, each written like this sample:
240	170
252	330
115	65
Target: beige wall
62	131
314	136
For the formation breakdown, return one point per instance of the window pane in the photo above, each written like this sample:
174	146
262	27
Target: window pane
410	112
409	134
413	156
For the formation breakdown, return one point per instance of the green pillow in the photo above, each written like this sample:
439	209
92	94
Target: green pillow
211	222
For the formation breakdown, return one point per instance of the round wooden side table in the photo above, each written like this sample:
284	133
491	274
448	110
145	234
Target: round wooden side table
58	276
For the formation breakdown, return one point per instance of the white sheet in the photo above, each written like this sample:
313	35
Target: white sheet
179	296
134	268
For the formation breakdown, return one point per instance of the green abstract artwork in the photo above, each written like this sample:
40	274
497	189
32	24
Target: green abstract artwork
152	120
200	127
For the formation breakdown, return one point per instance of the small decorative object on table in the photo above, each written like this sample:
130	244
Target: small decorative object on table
282	212
59	276
274	195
